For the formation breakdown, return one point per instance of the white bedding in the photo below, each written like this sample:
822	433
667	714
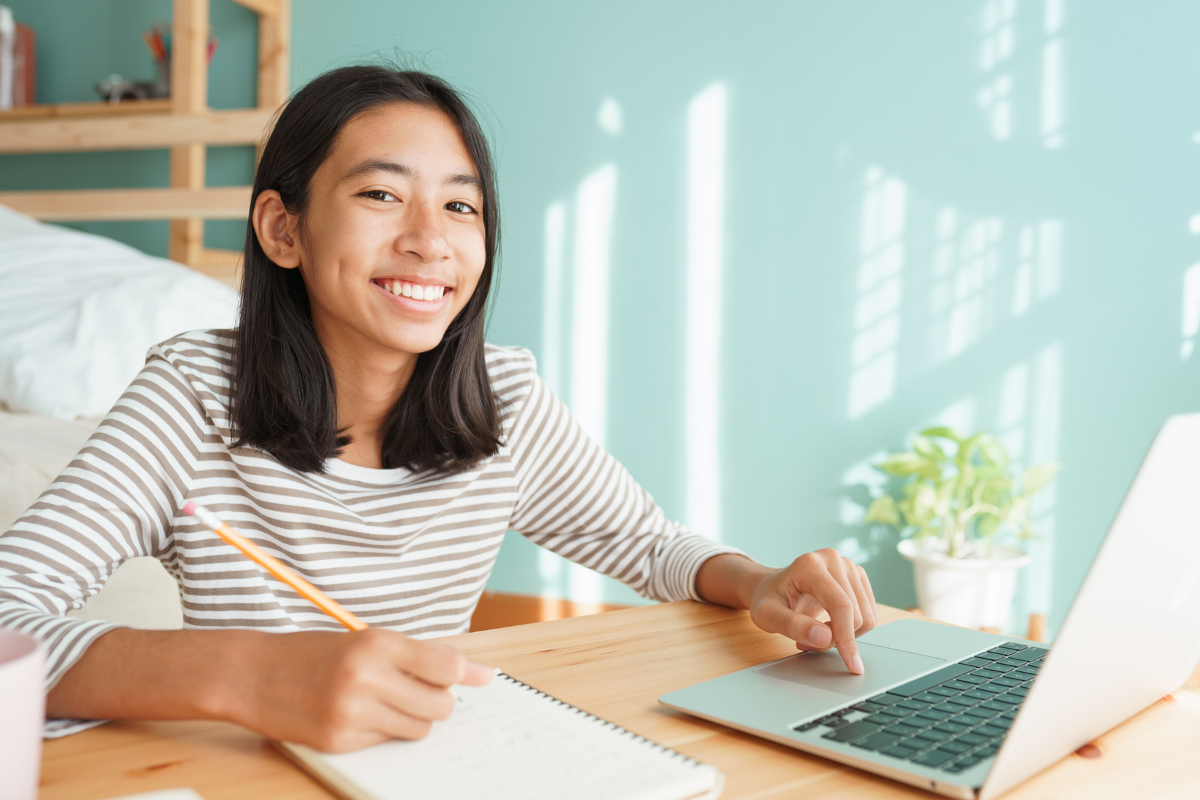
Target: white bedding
78	313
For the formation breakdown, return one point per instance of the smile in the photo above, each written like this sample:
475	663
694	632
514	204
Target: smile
415	291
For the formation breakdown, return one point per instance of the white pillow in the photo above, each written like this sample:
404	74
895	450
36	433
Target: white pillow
78	313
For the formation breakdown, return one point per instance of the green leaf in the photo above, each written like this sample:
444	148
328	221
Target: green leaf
993	452
883	510
902	464
1036	477
925	447
942	432
967	449
995	490
987	525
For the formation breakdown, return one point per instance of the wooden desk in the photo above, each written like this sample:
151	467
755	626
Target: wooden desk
615	665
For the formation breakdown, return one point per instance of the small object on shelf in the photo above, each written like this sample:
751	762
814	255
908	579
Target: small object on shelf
18	62
116	88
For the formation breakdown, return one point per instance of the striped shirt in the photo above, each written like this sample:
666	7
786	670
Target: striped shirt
401	550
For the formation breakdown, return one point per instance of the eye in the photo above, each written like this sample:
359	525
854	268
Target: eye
459	207
380	195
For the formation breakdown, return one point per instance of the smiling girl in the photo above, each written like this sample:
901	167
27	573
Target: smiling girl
357	426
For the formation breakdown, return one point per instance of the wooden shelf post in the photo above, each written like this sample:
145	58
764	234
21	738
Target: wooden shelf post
189	95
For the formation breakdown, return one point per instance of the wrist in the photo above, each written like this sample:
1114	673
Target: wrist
232	661
730	579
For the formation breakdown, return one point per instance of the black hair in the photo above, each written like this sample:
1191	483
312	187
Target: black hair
284	401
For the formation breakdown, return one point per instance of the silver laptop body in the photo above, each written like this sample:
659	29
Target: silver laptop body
1131	637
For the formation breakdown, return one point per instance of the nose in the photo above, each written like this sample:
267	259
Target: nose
421	234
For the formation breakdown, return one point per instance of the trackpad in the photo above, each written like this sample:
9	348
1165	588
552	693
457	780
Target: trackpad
885	667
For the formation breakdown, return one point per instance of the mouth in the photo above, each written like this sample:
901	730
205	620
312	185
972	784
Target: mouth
415	296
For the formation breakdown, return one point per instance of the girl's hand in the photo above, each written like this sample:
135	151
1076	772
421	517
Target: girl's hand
788	600
344	691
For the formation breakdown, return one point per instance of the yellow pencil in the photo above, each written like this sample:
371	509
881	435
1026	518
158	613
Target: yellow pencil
273	566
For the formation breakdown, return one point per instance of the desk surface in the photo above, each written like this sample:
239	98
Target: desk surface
616	665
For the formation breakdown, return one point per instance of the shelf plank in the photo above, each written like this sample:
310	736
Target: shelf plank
96	108
89	205
138	132
264	8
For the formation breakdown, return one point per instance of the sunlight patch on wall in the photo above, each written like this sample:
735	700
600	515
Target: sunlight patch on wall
705	241
1039	266
879	287
609	118
554	257
1191	311
966	266
1052	76
594	205
997	43
1044	430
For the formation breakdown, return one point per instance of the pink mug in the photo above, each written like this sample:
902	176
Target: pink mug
22	709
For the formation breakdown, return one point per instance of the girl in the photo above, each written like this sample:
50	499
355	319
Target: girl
357	426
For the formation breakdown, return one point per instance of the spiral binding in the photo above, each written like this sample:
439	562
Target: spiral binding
675	754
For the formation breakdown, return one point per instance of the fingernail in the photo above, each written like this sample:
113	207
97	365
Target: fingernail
819	636
856	664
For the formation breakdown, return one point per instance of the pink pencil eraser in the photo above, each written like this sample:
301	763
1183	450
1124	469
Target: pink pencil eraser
189	508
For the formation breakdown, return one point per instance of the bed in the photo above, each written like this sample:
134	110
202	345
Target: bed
77	314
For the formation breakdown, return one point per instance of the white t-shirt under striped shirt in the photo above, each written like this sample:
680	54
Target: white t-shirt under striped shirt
401	550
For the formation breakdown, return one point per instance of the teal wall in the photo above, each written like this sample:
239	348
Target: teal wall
974	212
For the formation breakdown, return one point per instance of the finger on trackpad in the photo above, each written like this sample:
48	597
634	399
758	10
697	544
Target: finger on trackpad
884	667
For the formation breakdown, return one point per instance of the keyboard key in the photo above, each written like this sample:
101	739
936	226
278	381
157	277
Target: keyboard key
972	738
990	688
876	741
868	707
978	711
987	673
1011	662
956	747
1001	722
959	684
928	697
932	735
1012	646
886	699
1021	691
994	706
965	719
898	751
841	712
900	730
913	688
978	694
914	705
894	711
947	691
833	722
1026	670
1030	654
879	719
934	758
933	715
808	726
969	761
851	731
976	662
989	656
1012	699
984	752
1004	680
1012	712
1000	651
989	730
956	704
949	727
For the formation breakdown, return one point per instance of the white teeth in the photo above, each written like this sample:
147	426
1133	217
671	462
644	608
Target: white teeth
414	290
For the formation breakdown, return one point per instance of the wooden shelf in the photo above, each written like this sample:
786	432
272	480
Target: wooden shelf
135	132
98	108
93	205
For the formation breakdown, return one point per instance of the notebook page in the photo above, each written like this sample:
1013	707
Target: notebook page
507	740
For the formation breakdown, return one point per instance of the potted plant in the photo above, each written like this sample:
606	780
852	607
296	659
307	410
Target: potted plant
960	510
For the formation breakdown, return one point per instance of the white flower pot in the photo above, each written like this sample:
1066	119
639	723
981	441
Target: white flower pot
971	592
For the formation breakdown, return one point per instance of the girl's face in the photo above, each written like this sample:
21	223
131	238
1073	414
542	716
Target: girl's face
392	244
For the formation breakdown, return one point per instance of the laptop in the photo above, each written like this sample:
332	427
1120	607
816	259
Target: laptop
970	714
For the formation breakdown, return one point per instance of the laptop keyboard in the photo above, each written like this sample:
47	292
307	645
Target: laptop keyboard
950	719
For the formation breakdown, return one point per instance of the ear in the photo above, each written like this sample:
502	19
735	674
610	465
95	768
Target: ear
274	227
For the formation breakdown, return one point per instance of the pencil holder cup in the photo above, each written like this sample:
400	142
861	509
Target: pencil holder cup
22	710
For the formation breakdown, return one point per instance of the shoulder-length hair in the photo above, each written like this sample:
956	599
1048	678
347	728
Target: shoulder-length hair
284	401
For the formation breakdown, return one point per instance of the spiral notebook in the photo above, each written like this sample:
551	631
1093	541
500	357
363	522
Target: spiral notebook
507	739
